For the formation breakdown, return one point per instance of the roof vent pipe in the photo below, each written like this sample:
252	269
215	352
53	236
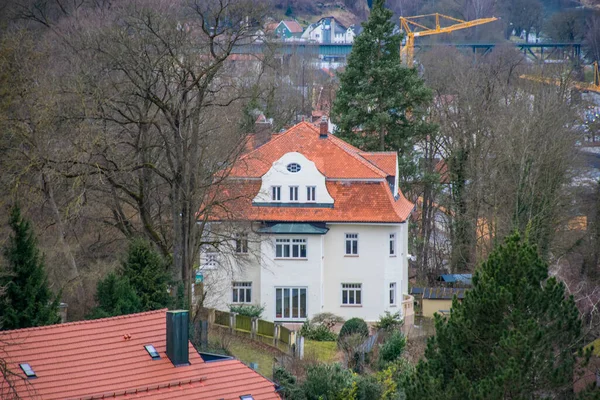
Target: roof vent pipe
323	127
177	337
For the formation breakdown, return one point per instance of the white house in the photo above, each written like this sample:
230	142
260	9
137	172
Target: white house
328	30
317	226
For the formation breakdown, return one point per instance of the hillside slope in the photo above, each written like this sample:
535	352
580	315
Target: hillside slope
348	12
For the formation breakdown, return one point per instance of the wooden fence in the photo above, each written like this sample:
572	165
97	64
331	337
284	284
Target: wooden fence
274	335
243	323
221	318
285	335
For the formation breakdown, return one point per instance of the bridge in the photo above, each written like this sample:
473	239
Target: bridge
539	51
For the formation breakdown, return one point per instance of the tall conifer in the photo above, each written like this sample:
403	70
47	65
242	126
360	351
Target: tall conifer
380	103
516	335
27	301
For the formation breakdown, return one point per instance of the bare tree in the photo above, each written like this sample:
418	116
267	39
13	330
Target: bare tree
508	146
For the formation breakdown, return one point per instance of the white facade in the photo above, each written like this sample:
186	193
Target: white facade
349	269
328	31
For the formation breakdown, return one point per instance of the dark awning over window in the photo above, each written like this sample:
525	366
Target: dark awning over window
294	228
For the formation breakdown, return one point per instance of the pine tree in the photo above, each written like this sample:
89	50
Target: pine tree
515	335
380	103
115	296
27	301
148	274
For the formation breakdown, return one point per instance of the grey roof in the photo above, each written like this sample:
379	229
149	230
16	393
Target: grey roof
294	228
443	293
452	278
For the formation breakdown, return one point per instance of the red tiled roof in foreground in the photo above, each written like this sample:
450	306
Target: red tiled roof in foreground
92	359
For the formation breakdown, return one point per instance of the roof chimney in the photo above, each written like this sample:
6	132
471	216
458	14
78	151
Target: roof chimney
263	129
177	337
323	127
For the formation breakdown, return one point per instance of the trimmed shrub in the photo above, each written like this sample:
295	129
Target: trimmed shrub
328	319
319	333
389	321
391	349
252	311
354	326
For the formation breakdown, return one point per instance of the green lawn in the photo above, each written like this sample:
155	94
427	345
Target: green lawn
323	351
596	344
245	351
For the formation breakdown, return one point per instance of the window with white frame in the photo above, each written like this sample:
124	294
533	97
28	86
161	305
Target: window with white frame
290	302
351	244
211	260
392	244
276	193
293	193
351	294
311	192
242	292
241	243
290	248
393	294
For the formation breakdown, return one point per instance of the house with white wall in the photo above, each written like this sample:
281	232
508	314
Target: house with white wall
318	226
327	30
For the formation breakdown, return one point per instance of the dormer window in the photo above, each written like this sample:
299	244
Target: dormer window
294	167
293	193
276	193
311	193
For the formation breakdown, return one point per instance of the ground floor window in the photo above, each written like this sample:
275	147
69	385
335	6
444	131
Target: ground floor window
242	292
290	303
351	294
393	293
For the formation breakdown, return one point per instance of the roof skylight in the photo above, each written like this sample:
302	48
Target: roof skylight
29	372
152	351
246	397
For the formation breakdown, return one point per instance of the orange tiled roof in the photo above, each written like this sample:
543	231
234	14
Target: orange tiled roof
354	202
293	26
356	181
91	359
333	157
386	161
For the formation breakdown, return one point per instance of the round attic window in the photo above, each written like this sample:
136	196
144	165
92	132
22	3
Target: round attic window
293	167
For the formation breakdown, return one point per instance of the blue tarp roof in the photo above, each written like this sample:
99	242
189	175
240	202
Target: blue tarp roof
452	278
295	228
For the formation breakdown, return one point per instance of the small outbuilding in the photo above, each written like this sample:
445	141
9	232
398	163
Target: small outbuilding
439	300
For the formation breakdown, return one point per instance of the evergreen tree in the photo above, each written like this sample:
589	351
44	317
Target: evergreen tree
27	301
115	296
148	275
380	103
516	335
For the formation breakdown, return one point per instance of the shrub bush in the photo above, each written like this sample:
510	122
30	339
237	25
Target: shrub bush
327	319
328	381
389	321
319	333
354	326
289	389
252	311
368	388
391	349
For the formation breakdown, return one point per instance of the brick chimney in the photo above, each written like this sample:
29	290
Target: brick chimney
263	129
177	337
323	127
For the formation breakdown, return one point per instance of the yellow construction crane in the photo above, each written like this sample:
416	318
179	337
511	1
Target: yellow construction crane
410	26
583	86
